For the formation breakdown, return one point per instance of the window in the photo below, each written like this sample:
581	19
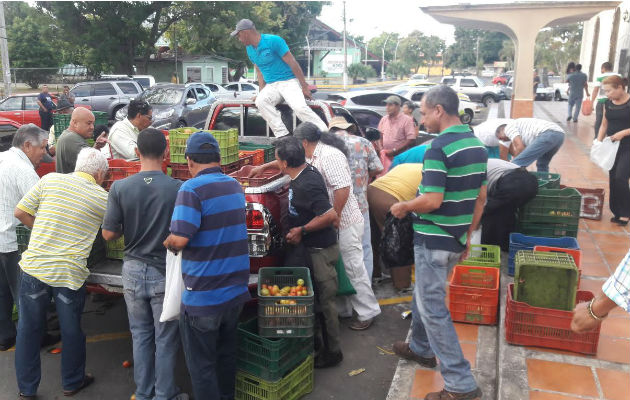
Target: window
342	112
30	103
6	136
12	104
448	81
468	83
190	94
376	99
224	75
230	118
128	88
162	96
249	88
82	91
210	74
232	87
201	94
212	87
417	96
367	119
145	83
104	89
255	124
193	74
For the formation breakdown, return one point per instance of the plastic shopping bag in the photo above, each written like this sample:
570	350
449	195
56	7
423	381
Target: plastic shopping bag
604	153
587	107
386	161
174	287
344	287
397	241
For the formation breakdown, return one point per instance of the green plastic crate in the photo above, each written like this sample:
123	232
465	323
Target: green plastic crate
269	359
177	144
548	230
116	248
269	149
545	279
547	180
293	386
228	144
483	255
61	122
100	118
285	320
553	206
23	236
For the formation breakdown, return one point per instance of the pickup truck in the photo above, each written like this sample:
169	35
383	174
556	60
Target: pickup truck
475	89
267	205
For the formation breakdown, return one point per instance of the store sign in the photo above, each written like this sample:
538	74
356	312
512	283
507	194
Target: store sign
333	63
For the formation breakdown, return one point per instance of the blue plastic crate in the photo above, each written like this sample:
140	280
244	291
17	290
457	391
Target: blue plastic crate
518	241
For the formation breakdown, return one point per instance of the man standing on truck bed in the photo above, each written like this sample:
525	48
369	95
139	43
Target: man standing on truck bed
279	77
140	207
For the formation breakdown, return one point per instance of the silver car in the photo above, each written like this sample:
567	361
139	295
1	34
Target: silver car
370	99
106	96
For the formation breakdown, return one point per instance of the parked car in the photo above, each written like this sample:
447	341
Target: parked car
467	108
23	108
176	105
106	96
542	92
8	127
475	88
371	99
417	78
145	81
560	88
219	91
501	79
242	90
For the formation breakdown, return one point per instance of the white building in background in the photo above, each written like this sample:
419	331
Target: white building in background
606	37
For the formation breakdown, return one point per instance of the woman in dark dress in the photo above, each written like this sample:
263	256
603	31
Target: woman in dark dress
616	125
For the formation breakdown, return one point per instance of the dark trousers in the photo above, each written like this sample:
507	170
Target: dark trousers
210	348
35	297
619	176
47	119
599	115
510	192
9	285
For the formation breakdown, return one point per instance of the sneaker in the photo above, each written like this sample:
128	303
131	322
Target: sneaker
402	350
358	325
328	359
446	395
7	345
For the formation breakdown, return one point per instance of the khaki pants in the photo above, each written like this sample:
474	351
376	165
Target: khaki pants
325	277
380	202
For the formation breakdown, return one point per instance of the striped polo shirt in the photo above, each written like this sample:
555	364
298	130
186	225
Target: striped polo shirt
210	212
69	210
454	164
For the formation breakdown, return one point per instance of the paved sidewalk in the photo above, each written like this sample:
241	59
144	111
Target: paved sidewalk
536	373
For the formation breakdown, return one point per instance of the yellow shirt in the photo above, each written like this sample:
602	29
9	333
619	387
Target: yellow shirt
68	210
401	182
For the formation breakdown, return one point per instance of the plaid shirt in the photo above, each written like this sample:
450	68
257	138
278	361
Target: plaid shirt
617	287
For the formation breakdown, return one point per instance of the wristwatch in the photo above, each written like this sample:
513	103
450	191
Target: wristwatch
303	230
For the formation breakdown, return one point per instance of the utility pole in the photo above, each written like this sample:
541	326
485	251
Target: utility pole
4	52
396	50
308	63
477	58
366	59
345	51
175	50
383	59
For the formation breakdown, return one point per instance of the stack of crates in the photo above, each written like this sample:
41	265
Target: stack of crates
269	149
547	180
552	213
61	122
23	236
519	241
115	248
474	286
275	352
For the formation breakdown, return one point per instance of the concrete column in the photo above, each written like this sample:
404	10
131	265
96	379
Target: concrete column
523	96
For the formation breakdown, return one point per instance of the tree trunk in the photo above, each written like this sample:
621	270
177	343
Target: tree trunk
238	73
152	39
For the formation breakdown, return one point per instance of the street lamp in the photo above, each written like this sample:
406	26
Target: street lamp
383	58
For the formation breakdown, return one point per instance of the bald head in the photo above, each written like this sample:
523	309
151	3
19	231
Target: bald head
82	122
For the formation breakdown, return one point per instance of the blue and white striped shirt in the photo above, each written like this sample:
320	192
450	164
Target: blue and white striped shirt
617	287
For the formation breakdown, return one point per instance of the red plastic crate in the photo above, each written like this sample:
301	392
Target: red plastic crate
542	327
575	253
120	169
45	168
180	171
268	176
474	294
592	206
259	156
245	159
229	168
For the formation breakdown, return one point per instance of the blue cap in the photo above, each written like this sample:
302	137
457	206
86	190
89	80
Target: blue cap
202	143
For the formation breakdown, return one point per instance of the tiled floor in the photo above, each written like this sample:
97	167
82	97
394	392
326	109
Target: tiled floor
605	376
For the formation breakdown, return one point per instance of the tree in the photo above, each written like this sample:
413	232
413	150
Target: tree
507	53
388	39
357	70
396	69
557	46
417	49
469	41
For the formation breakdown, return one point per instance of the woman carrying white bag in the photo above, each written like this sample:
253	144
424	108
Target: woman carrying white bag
616	126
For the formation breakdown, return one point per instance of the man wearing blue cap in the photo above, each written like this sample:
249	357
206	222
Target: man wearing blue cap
279	76
208	226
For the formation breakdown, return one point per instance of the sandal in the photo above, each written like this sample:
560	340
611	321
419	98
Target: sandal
621	222
88	379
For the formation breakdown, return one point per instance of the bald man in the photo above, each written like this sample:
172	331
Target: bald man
73	139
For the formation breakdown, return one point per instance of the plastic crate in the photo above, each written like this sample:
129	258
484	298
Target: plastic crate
268	176
180	171
285	320
547	280
592	206
23	236
100	118
116	248
293	386
552	206
45	168
576	254
259	155
177	144
61	122
229	154
533	326
245	159
474	294
269	149
547	180
548	230
269	359
483	255
230	168
120	169
519	241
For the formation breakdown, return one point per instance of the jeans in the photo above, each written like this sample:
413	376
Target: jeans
46	119
577	102
155	343
9	285
291	92
368	257
542	149
210	349
34	299
432	330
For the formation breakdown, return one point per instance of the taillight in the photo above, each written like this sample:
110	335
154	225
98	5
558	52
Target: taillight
255	219
343	102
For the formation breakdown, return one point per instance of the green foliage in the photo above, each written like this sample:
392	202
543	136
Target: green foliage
557	46
463	53
357	70
417	50
397	69
389	39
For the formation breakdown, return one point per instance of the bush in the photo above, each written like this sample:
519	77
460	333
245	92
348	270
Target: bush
357	70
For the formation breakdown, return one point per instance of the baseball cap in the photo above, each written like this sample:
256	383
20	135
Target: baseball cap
339	122
242	25
392	100
202	143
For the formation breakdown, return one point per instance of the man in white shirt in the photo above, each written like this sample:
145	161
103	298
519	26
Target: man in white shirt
598	97
486	132
532	140
17	177
123	136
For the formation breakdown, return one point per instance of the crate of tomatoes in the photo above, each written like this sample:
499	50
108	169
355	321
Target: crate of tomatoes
285	302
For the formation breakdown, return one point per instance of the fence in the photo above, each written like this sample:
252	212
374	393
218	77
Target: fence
31	79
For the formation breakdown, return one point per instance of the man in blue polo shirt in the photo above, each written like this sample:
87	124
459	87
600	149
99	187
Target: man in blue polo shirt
279	76
208	226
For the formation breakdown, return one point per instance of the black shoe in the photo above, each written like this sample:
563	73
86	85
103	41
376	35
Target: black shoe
50	339
568	119
614	219
327	359
575	120
621	222
7	345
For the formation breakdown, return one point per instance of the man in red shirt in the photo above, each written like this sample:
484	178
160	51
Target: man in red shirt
399	133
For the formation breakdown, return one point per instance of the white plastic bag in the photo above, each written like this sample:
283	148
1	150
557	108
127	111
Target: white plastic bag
603	153
174	287
475	237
